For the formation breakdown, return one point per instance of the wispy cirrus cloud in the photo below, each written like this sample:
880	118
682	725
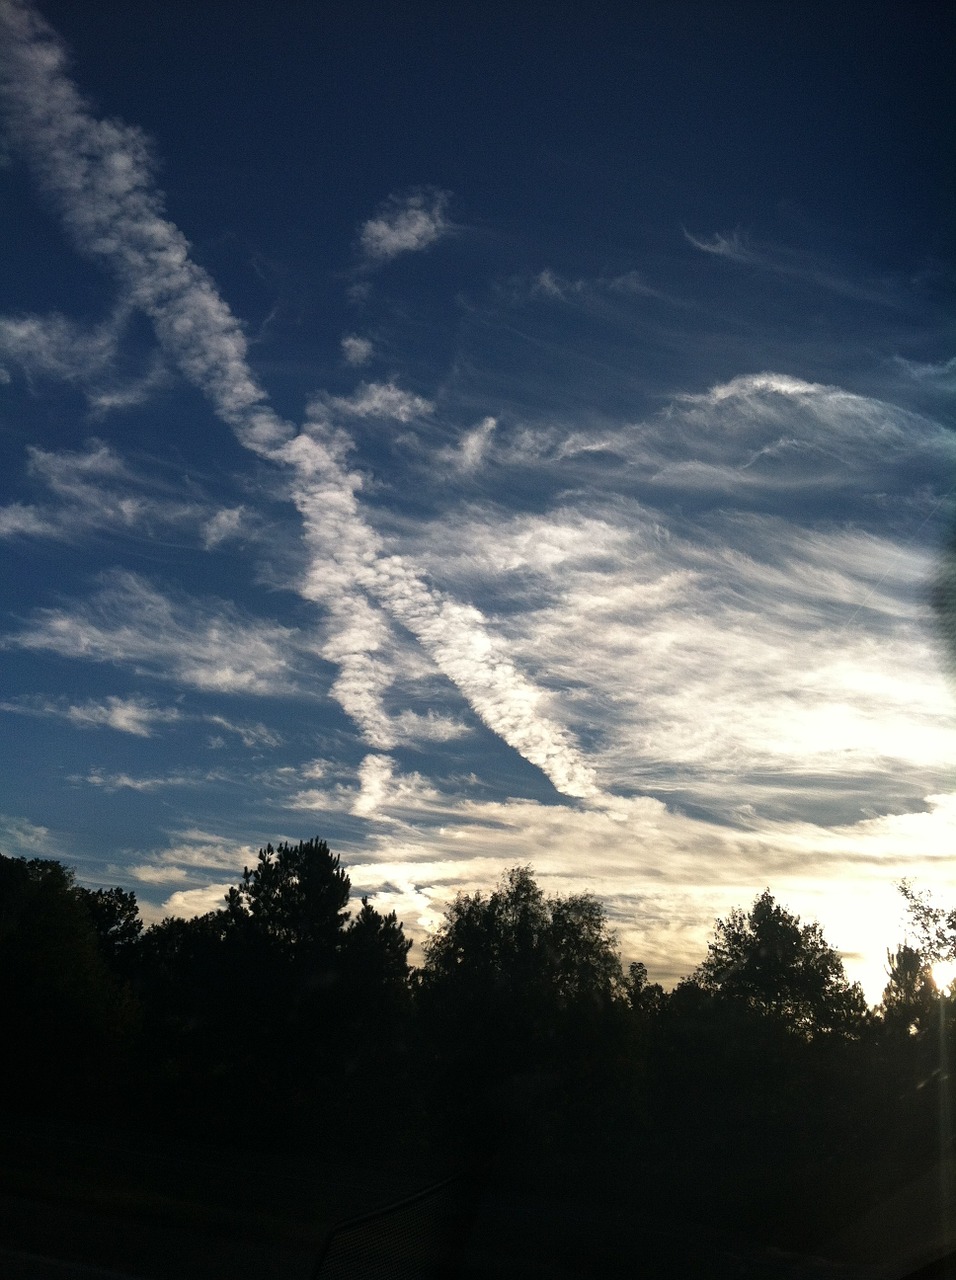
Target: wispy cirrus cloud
156	782
663	874
205	645
405	224
721	604
250	733
473	447
54	347
100	174
374	400
93	488
551	284
137	716
738	247
706	615
25	839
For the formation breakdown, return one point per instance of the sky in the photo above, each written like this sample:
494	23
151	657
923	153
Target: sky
482	437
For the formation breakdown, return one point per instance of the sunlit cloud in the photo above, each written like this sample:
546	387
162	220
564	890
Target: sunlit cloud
250	734
94	489
548	283
195	902
473	447
137	716
405	224
159	782
24	839
130	622
377	400
120	218
664	876
100	173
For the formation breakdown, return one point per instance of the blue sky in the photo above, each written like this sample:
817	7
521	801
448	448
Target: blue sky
477	439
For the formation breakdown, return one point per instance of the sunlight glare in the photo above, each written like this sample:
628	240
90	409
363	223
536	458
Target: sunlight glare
944	975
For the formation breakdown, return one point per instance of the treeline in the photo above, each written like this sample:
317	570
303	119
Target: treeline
760	1092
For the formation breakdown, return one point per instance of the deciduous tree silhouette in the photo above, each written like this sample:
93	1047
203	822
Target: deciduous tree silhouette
521	954
517	998
767	961
66	1019
935	926
114	914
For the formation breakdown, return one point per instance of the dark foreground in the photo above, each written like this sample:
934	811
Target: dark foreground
74	1205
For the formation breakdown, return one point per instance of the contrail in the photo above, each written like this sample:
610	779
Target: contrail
100	174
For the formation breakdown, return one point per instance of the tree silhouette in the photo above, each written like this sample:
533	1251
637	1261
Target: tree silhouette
519	998
293	900
114	914
376	953
519	947
910	1000
65	1016
770	963
935	926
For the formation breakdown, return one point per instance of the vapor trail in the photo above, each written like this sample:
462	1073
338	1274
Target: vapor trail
100	174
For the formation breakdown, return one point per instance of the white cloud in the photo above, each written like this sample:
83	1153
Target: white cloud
225	524
688	596
349	559
742	650
664	876
57	348
201	644
356	350
588	289
24	839
375	779
250	734
547	282
378	400
405	224
473	448
196	859
17	520
137	716
187	903
100	174
93	488
734	245
941	374
126	781
413	728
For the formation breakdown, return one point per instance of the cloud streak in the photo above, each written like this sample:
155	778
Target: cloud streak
136	716
100	174
737	247
93	489
202	645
